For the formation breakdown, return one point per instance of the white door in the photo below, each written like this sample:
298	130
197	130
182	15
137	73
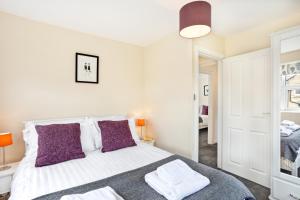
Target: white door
246	116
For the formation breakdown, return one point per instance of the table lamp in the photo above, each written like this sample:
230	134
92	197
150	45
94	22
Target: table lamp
5	140
141	123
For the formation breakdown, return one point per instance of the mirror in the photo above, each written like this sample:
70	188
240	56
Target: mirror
290	106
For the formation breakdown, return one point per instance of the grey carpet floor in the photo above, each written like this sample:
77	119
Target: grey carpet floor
208	156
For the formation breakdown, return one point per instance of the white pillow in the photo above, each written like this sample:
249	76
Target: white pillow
132	127
31	137
97	131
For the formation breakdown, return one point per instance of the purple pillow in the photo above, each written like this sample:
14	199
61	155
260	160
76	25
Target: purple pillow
115	135
204	110
58	143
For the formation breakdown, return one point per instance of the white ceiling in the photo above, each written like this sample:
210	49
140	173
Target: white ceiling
142	22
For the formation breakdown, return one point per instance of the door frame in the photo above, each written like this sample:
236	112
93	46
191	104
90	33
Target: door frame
197	52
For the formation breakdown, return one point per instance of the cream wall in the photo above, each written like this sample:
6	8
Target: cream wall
169	90
290	56
257	37
203	80
37	69
37	76
211	42
168	93
292	116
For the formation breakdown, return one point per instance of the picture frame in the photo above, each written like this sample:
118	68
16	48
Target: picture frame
86	68
205	90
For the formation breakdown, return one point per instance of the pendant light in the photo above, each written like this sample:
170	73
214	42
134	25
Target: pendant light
195	19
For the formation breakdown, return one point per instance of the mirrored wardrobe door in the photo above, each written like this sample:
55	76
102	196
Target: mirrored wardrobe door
290	106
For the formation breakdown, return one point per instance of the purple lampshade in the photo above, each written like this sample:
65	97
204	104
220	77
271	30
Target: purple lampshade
195	19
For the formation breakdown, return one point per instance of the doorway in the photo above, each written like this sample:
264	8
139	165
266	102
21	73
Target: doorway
205	56
208	98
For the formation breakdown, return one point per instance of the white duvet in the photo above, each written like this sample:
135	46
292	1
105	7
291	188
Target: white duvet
30	182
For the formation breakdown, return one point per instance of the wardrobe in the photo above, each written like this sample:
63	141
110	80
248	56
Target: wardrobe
285	71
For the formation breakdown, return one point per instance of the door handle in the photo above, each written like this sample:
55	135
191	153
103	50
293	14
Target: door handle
266	113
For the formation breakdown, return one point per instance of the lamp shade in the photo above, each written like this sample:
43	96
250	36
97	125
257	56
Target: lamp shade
5	139
195	19
140	122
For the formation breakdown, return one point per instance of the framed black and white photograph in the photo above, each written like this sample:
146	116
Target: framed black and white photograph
205	90
87	68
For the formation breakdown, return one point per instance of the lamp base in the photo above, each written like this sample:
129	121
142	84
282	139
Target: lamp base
5	168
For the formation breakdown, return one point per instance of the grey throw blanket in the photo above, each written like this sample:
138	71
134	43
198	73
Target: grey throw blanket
290	145
132	186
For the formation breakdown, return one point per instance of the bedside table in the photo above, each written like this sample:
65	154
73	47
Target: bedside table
148	141
5	180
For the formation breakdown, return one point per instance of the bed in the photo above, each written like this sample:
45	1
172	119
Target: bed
203	122
30	182
123	170
290	153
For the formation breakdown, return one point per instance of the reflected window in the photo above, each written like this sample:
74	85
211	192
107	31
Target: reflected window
293	99
290	85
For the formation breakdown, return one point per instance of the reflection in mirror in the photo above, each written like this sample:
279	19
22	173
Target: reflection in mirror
290	106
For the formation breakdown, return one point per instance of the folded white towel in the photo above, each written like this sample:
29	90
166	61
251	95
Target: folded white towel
285	132
294	127
187	186
106	193
287	123
174	172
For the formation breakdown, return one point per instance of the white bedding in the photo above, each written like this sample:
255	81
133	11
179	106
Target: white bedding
205	119
30	182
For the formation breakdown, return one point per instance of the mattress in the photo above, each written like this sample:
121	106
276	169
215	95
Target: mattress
30	182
